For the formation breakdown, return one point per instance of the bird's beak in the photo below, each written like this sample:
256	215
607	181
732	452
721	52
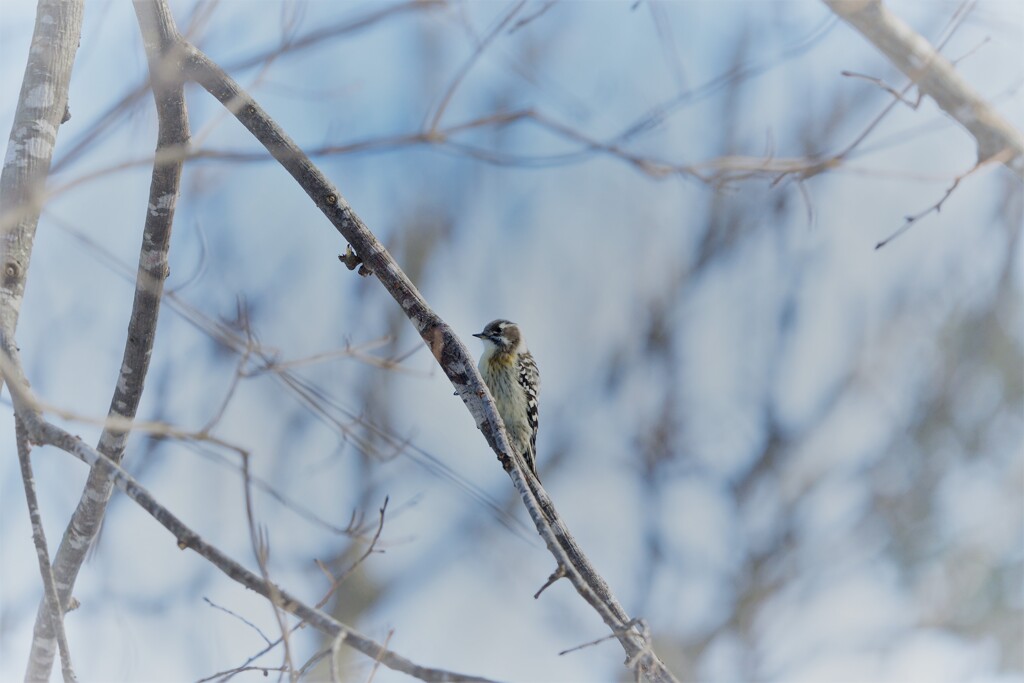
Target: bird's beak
480	335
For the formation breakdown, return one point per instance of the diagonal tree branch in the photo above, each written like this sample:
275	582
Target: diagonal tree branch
936	77
161	41
449	351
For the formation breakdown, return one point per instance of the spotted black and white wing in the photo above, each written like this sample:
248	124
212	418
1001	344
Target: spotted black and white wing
529	379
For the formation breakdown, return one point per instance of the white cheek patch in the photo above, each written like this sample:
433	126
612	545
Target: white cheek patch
489	349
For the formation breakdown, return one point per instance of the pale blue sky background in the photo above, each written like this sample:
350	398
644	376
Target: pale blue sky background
577	248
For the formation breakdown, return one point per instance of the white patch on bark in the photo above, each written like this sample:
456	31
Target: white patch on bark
46	649
39	96
152	258
12	303
38	146
163	203
122	379
44	126
14	156
78	542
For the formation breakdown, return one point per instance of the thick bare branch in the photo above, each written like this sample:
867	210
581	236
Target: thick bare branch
936	77
161	41
42	107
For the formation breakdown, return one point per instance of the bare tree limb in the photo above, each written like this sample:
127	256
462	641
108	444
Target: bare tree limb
242	619
42	107
447	348
40	431
54	610
936	77
161	41
449	351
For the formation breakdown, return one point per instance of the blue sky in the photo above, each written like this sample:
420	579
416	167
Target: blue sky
780	321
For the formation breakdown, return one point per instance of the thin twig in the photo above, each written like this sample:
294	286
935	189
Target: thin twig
52	601
376	663
370	550
245	666
555	576
243	360
913	104
242	619
335	650
261	549
909	221
596	641
481	46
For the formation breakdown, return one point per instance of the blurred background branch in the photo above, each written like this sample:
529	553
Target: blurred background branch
935	77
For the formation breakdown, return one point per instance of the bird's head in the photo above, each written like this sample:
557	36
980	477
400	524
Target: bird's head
502	335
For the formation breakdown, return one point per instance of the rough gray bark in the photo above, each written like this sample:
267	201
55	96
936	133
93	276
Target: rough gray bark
936	77
42	107
161	41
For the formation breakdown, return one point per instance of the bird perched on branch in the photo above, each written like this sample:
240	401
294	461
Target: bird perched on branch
511	374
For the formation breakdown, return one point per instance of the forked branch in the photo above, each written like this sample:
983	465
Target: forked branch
935	77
